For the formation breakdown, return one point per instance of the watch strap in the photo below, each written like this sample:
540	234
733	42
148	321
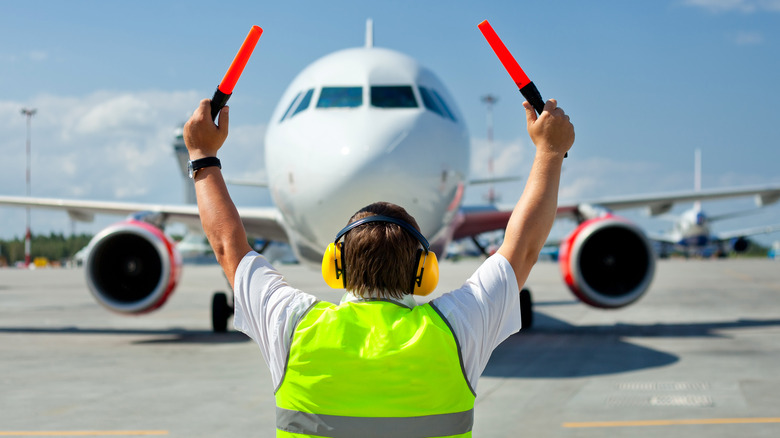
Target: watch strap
196	165
205	162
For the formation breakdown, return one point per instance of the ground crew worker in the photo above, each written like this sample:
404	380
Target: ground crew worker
378	364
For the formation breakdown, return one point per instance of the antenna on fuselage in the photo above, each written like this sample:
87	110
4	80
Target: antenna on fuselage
369	33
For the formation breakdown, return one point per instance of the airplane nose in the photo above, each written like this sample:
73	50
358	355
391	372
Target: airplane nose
354	159
372	162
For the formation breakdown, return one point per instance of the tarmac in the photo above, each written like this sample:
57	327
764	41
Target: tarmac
697	356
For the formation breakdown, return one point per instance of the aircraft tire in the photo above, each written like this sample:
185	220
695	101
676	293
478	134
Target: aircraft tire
526	309
220	312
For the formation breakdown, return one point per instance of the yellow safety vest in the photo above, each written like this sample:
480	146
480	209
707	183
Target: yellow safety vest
374	369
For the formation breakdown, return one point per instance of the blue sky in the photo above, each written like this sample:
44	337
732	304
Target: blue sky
646	83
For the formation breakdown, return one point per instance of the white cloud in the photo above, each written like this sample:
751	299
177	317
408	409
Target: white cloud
38	55
106	146
748	38
746	6
124	112
508	157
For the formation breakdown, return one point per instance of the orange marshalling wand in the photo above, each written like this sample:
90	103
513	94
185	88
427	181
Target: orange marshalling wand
527	88
225	88
525	85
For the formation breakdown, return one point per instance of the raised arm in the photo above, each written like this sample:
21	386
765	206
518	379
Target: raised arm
218	214
532	218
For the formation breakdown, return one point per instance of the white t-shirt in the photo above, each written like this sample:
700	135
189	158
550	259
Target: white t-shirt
483	312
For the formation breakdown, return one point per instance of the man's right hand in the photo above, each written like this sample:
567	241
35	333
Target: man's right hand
201	136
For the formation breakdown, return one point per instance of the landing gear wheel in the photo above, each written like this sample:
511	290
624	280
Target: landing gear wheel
220	312
526	309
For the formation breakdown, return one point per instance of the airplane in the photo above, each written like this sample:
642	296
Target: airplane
357	126
691	233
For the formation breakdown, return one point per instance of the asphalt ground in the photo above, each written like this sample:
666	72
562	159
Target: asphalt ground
698	356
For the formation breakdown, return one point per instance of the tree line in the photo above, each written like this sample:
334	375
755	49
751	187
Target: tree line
54	247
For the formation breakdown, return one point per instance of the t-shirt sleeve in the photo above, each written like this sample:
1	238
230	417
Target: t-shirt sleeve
483	312
267	309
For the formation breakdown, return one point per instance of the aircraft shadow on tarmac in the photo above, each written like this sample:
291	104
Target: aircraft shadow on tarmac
556	349
158	336
553	348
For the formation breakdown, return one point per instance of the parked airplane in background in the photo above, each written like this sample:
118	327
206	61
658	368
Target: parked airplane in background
357	126
691	234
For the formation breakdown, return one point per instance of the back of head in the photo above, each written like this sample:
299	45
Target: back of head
380	256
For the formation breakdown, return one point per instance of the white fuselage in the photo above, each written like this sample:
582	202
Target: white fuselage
359	126
692	230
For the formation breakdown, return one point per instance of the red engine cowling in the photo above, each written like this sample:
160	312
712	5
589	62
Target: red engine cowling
132	267
607	262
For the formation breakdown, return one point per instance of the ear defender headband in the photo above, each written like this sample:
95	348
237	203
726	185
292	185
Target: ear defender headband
335	274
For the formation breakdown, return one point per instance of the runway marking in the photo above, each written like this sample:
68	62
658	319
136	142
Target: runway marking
738	275
671	422
748	279
86	433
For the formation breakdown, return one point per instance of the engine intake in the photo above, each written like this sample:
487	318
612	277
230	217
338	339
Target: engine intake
607	262
132	267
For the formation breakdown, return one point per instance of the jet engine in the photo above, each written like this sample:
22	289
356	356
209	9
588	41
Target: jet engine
740	244
132	267
607	262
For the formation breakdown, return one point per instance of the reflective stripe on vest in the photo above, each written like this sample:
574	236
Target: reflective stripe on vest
374	368
332	426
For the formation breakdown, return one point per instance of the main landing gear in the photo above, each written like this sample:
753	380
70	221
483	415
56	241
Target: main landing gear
526	309
221	311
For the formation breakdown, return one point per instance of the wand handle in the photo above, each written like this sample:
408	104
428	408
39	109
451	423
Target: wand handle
532	95
218	102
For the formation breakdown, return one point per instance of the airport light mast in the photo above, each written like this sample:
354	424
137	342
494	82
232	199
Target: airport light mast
28	113
489	100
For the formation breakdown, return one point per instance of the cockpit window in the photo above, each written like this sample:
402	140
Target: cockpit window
393	96
304	102
430	102
290	107
444	105
340	97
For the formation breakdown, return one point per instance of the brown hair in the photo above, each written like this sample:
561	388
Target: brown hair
380	256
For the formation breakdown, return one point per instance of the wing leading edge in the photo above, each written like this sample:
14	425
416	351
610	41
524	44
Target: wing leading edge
263	222
477	220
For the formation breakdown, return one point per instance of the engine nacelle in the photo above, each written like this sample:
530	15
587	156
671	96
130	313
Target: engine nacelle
740	244
607	262
132	267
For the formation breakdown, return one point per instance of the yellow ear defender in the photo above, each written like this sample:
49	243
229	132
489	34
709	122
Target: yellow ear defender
427	264
426	275
333	267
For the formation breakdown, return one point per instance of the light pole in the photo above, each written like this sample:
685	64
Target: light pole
489	100
28	112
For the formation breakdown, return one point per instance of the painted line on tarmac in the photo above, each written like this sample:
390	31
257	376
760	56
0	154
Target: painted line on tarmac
85	433
671	422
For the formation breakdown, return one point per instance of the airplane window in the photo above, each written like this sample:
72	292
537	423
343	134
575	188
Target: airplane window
393	96
444	106
290	107
304	103
340	97
430	102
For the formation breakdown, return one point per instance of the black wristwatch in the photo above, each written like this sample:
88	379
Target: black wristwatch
193	166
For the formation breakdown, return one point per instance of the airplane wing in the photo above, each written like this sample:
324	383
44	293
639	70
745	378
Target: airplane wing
259	221
728	235
662	202
662	238
476	220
